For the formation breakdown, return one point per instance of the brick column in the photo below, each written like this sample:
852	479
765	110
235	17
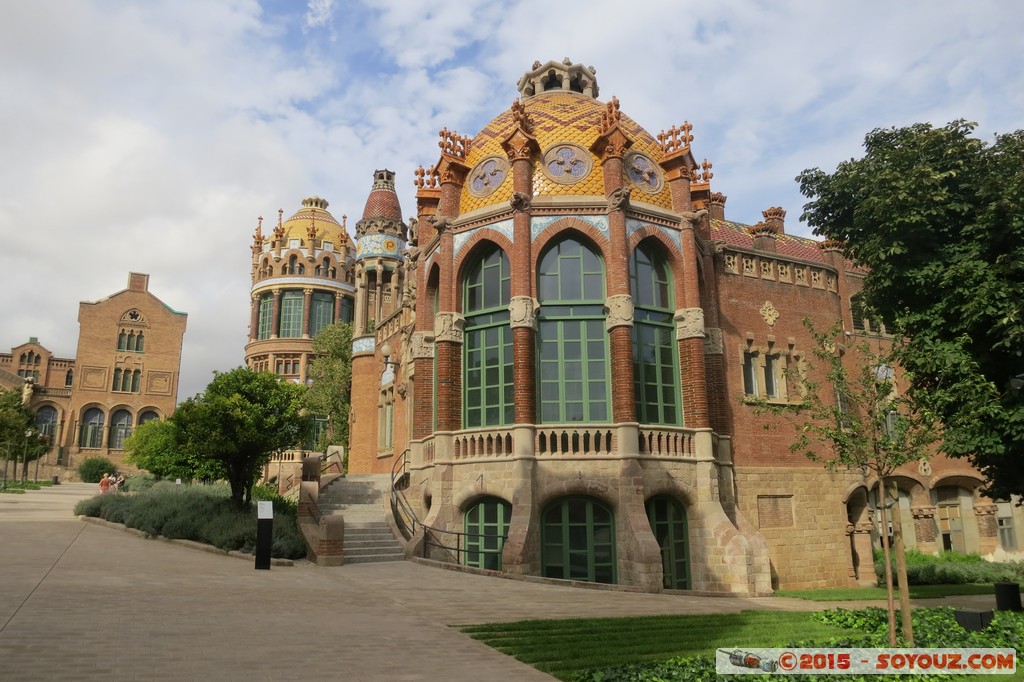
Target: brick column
275	316
254	318
307	309
610	147
521	147
690	336
448	323
428	197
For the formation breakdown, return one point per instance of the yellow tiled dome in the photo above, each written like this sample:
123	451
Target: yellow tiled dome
314	213
559	117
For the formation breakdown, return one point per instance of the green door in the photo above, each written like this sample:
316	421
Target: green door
668	522
578	541
486	524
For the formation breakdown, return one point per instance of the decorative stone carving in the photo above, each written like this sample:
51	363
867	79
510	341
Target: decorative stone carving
487	176
520	202
422	346
769	313
441	223
363	344
713	341
567	163
732	262
924	467
449	327
643	172
522	312
618	311
618	200
693	217
689	323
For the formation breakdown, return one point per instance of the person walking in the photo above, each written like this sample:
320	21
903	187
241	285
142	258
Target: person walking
105	484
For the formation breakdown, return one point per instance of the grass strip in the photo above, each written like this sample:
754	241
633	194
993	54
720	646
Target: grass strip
875	593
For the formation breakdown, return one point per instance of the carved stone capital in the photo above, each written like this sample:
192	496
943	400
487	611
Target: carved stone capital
618	311
520	202
690	323
522	312
618	200
713	341
449	327
422	345
693	217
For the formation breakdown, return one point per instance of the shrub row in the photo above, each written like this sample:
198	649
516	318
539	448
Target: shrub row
200	513
933	628
951	568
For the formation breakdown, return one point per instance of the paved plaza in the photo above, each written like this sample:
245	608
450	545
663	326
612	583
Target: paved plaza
84	601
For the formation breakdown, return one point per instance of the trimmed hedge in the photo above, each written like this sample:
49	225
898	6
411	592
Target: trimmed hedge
91	469
951	568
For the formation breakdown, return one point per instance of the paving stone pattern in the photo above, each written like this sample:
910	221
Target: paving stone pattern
84	601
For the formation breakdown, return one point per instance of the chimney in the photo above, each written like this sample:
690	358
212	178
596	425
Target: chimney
138	281
776	218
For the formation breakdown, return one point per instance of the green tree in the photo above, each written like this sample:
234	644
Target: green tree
156	446
20	440
937	217
853	417
239	421
330	373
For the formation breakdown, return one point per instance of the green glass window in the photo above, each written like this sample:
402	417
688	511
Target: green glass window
139	343
291	314
266	316
668	523
116	386
91	430
487	348
120	429
321	312
578	541
46	422
122	341
655	355
486	526
572	344
347	310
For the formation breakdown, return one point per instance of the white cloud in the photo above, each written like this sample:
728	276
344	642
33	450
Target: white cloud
150	136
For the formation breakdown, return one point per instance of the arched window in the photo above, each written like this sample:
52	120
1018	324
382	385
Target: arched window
668	523
126	381
655	355
46	422
116	385
578	540
487	350
148	416
91	430
486	526
136	380
120	429
122	340
69	378
139	343
572	342
131	341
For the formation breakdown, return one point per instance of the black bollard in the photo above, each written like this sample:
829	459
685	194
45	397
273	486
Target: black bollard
264	533
1008	597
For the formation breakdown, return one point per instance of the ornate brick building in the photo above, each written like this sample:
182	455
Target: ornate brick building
557	354
125	372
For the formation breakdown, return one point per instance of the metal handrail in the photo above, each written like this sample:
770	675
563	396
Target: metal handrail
407	520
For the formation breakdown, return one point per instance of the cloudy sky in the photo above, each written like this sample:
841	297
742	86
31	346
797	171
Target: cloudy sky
148	135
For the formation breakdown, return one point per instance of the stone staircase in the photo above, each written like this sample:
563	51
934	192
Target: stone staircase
361	500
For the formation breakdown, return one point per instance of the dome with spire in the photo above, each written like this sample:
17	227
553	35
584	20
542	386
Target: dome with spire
313	220
560	105
381	232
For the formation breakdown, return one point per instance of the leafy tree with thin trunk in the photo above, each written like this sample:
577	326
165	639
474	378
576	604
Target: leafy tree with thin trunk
156	446
853	417
936	215
241	419
20	439
330	374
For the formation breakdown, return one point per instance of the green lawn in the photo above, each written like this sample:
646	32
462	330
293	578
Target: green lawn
861	593
562	647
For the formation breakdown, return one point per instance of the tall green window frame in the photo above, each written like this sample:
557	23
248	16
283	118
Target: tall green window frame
120	429
487	344
321	312
347	310
668	523
291	314
266	317
578	540
572	343
655	354
91	430
486	526
46	422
